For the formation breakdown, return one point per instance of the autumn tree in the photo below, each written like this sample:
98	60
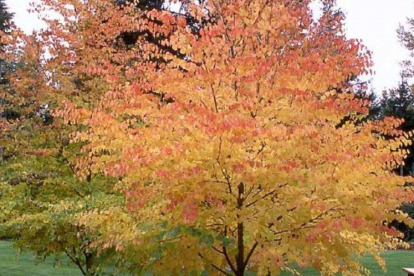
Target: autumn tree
248	167
41	197
232	154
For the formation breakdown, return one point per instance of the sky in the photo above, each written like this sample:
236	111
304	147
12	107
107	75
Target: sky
373	21
376	22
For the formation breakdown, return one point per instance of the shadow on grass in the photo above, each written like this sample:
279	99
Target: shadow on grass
395	261
14	264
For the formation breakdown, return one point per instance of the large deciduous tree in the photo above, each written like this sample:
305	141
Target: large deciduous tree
250	166
240	151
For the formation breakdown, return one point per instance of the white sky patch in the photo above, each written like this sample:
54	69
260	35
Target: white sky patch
316	7
373	21
23	19
376	23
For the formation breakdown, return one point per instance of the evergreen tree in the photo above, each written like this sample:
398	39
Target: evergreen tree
5	25
399	103
5	17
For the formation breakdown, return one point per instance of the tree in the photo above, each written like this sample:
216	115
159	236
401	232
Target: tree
399	103
5	17
41	198
406	36
248	167
5	26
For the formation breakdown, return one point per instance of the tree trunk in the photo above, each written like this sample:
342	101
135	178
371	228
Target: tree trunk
240	235
240	249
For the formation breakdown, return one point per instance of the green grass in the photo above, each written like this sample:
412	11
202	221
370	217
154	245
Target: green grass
395	261
14	264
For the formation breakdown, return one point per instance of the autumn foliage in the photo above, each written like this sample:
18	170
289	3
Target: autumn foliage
240	146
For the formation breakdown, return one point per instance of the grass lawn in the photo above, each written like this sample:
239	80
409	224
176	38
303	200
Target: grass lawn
395	260
13	264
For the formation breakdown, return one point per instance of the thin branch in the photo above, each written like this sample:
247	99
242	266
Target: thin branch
227	177
214	98
263	197
250	191
263	145
218	250
226	255
76	261
214	266
78	193
219	153
220	270
250	253
306	225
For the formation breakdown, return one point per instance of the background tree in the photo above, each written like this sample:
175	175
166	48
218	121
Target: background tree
399	103
5	17
41	197
406	36
5	26
39	187
404	91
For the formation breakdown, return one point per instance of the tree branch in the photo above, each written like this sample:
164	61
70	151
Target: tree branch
250	253
226	255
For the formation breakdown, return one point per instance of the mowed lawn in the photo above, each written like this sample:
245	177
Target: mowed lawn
395	260
13	264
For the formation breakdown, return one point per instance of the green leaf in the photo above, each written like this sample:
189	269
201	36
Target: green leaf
207	239
173	233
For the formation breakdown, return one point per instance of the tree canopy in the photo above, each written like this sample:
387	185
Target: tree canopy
245	150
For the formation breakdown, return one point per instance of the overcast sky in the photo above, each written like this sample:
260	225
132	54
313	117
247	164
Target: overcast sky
373	21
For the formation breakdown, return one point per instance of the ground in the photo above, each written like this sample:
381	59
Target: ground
13	264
